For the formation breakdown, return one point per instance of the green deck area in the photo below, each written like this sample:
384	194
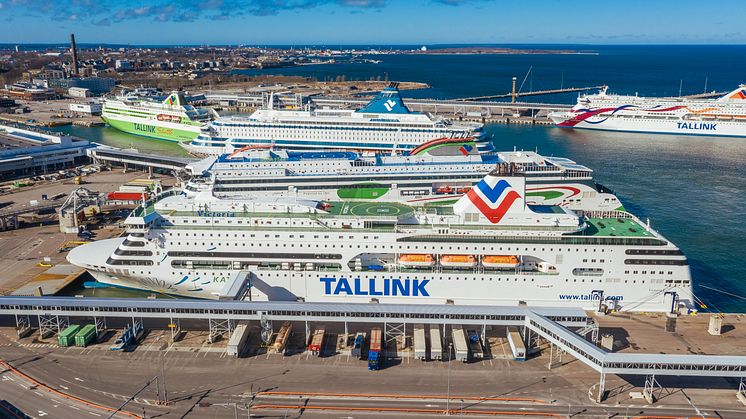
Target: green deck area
620	227
382	209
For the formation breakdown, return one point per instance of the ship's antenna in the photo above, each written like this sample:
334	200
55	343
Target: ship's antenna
705	91
681	84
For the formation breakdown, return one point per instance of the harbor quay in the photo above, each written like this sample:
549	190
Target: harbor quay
164	371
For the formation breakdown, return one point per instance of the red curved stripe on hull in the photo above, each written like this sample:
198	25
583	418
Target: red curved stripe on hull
574	191
438	142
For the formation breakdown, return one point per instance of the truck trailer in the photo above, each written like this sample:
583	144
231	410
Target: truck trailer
358	345
67	336
460	348
238	339
436	343
375	357
516	344
420	345
475	344
317	341
85	335
282	337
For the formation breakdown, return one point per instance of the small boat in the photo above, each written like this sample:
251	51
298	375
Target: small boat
461	261
500	261
417	260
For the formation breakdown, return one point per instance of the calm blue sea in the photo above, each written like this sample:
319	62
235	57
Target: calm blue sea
693	189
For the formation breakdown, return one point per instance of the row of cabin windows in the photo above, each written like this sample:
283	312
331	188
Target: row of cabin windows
646	272
381	247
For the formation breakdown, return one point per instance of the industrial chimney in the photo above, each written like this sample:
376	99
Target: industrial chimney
74	51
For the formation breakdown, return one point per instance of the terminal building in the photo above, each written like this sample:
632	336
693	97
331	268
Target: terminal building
28	91
88	108
28	152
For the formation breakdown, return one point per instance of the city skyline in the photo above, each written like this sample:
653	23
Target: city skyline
361	22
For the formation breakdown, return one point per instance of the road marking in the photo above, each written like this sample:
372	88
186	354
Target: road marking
42	413
94	414
73	407
78	379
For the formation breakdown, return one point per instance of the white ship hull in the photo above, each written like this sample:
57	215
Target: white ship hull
459	288
725	116
642	289
730	128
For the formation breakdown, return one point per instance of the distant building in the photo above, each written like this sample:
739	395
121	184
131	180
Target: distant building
49	72
28	91
123	65
96	85
79	92
28	152
90	108
7	105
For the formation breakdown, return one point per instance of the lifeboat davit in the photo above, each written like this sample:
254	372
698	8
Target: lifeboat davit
461	261
499	261
417	260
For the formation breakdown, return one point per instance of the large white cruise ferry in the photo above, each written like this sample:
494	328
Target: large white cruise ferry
383	125
431	175
725	116
490	248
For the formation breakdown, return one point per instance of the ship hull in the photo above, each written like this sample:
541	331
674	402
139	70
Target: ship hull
716	128
154	129
467	286
458	287
229	145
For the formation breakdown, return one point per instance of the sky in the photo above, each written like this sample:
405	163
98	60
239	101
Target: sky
372	22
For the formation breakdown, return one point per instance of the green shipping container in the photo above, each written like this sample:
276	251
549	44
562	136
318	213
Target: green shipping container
67	336
85	336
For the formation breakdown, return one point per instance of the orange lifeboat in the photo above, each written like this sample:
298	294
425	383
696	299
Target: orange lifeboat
498	261
458	260
444	190
418	260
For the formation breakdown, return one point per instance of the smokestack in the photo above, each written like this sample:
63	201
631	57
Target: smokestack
74	51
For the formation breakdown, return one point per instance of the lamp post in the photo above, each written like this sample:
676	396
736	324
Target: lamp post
448	396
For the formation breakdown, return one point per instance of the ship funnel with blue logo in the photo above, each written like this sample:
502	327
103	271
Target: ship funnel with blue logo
387	102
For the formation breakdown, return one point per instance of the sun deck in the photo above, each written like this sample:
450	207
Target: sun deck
615	227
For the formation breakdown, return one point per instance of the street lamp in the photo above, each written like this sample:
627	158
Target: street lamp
448	396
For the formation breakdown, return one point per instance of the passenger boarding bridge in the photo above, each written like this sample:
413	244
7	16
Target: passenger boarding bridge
549	323
137	159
